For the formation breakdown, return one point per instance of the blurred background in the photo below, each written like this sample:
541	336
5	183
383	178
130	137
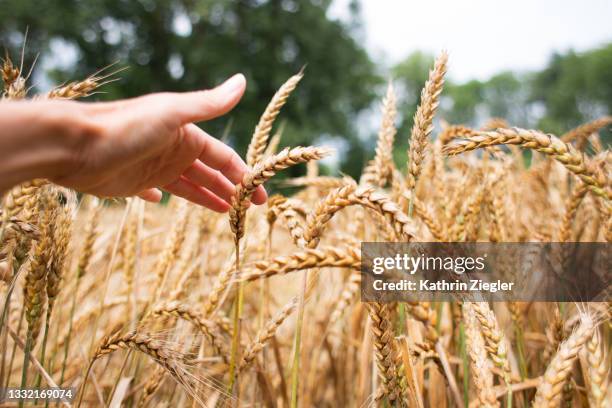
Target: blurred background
539	64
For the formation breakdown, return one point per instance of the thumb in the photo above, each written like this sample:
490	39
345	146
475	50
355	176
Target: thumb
208	104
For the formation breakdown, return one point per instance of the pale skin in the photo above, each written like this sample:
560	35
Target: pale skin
125	148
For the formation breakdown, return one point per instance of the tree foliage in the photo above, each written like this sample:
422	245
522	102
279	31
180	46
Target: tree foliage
187	44
180	45
573	88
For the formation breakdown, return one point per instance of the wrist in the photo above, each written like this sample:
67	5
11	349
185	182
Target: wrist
71	131
41	139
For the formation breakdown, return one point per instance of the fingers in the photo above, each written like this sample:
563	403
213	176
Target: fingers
213	180
223	158
197	195
204	105
152	195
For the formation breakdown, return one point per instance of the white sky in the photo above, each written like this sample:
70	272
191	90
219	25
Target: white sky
482	36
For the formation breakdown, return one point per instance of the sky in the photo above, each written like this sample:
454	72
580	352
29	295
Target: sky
483	37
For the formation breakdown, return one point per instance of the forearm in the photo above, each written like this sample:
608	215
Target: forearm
37	139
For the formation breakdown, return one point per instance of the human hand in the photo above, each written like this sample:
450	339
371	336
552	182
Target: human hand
135	146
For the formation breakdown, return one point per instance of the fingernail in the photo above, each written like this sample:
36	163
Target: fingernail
234	83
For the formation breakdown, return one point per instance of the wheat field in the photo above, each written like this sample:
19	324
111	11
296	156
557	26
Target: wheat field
141	305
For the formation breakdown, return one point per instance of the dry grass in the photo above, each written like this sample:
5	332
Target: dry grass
267	311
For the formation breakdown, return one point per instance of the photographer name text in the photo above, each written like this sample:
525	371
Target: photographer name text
473	285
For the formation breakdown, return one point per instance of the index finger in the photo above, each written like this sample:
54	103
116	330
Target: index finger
220	156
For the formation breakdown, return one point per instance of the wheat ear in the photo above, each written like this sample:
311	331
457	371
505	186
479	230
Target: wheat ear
21	203
265	334
321	182
423	118
21	200
423	212
74	90
171	249
262	172
91	234
221	284
387	353
129	254
550	145
481	370
35	288
35	293
495	123
452	132
207	327
587	129
423	312
10	73
14	83
153	383
335	257
166	357
383	160
81	89
272	147
262	130
495	341
62	234
598	371
351	288
571	207
349	195
548	393
292	212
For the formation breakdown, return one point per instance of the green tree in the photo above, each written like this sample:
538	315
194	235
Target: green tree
191	44
464	101
505	97
574	88
409	77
